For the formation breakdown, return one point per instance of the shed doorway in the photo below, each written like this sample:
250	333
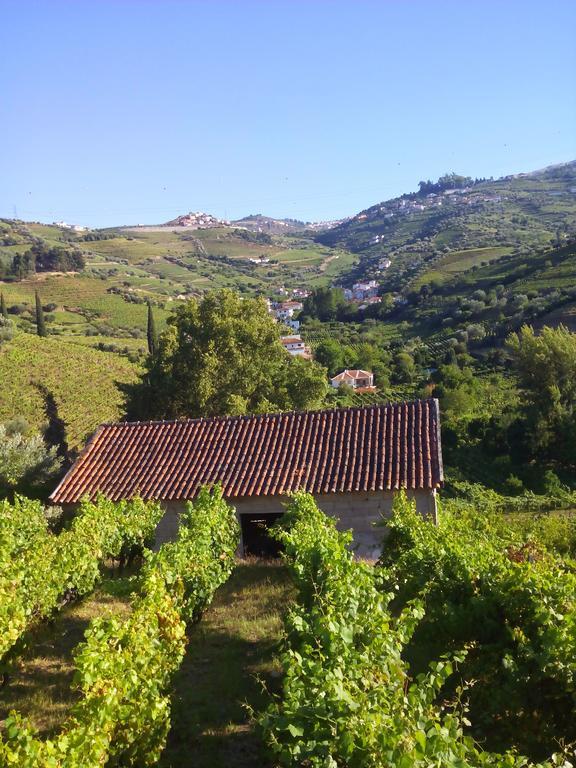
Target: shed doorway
256	539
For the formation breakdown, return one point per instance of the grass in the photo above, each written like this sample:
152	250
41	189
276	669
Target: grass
231	649
80	292
41	685
229	652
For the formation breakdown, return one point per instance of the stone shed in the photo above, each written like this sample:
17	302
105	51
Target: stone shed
352	460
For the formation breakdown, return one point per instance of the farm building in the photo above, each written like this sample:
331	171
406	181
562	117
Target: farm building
351	459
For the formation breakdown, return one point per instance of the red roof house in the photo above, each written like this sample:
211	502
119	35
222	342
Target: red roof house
351	459
356	379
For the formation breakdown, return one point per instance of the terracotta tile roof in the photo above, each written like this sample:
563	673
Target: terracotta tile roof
351	374
341	450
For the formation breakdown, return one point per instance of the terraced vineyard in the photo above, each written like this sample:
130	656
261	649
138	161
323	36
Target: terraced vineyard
82	382
454	262
431	236
127	267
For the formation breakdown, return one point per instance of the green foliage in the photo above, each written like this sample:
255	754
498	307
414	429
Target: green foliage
151	333
39	571
448	181
40	321
6	329
330	354
83	382
44	258
347	697
546	368
3	310
25	460
324	303
222	355
508	600
404	368
125	668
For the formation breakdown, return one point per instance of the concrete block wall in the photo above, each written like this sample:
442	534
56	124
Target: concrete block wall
358	512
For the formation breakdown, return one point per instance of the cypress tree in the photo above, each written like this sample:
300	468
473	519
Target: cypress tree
152	335
3	310
40	322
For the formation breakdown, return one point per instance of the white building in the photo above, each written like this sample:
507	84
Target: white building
296	346
286	310
356	379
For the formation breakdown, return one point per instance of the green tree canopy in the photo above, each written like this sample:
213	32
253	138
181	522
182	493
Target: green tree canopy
546	368
25	460
151	333
324	303
40	321
222	355
330	354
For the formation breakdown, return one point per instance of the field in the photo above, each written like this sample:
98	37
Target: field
47	379
459	261
232	651
495	217
129	266
41	685
303	657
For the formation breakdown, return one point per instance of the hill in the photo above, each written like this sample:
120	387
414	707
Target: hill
259	223
198	220
46	380
457	223
105	303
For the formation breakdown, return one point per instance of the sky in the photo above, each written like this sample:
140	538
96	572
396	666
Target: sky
135	111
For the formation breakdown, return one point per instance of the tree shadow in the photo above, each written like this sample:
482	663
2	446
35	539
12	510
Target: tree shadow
55	433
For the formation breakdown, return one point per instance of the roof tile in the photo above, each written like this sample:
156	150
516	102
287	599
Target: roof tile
378	447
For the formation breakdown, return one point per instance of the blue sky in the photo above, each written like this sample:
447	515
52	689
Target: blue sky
125	111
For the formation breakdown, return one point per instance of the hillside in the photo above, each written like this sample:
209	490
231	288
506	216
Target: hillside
126	267
431	235
259	223
44	380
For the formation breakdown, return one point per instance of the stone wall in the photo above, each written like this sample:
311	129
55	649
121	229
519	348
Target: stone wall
355	511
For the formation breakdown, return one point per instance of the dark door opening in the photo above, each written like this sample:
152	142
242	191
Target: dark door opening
256	537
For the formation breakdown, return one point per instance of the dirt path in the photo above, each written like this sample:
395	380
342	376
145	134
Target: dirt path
229	651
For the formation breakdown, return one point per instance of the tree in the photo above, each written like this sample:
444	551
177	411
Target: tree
222	355
40	322
324	303
151	332
6	329
3	310
330	354
25	460
546	369
405	369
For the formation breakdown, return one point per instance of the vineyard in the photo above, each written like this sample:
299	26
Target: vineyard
124	668
456	649
41	572
81	382
363	688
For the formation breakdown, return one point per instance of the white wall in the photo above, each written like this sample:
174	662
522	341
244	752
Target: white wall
356	511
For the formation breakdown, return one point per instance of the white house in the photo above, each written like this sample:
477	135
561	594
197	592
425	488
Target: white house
364	290
356	379
296	346
287	309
